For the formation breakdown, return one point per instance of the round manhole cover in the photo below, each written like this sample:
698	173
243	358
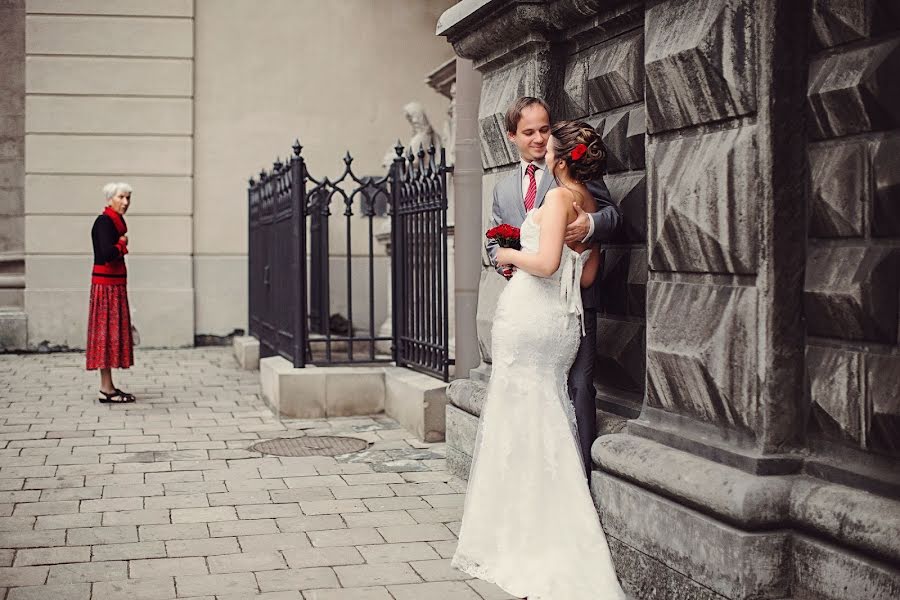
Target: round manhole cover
311	446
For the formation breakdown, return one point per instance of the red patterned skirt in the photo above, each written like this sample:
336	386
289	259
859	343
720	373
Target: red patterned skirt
109	343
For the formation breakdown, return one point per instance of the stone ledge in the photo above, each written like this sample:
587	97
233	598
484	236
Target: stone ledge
415	400
731	562
467	395
246	352
461	430
861	520
664	551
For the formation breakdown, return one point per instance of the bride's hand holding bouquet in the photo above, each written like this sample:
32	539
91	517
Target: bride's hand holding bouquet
507	237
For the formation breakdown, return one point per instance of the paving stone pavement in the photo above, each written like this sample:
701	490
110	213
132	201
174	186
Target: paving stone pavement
161	499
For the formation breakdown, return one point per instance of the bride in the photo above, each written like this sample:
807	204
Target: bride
529	523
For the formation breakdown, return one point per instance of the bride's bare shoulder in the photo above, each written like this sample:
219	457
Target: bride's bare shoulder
559	196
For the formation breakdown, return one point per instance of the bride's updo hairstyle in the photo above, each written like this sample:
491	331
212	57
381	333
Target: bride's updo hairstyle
586	162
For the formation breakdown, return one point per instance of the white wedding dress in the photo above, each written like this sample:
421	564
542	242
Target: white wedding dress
529	523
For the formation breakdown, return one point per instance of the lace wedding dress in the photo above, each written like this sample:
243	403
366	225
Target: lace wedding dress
529	523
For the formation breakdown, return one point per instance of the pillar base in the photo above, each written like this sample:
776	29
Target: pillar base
681	526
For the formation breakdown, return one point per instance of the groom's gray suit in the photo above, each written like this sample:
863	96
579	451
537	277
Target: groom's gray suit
509	208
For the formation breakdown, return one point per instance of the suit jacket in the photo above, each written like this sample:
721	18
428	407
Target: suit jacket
509	208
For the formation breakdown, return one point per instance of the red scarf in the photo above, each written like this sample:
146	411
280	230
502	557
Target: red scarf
114	272
117	220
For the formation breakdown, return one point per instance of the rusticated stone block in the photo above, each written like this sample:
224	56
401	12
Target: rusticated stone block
835	390
623	281
852	293
620	354
700	62
574	92
701	352
702	202
855	91
498	91
836	22
615	73
629	191
615	126
886	206
623	134
635	137
883	385
840	189
491	111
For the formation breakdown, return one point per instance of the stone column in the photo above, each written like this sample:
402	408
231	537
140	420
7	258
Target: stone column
13	330
467	215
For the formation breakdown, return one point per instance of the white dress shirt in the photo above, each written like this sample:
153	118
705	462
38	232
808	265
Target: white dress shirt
540	168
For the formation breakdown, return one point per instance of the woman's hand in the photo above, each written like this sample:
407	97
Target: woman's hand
505	257
123	240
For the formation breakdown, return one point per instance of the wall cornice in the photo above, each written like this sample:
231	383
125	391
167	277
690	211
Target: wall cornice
477	28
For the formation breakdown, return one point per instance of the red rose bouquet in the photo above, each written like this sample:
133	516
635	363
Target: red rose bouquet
505	235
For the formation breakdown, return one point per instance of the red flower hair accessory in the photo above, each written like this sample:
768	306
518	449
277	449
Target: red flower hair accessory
578	151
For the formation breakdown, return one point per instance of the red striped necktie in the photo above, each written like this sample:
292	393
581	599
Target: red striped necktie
531	194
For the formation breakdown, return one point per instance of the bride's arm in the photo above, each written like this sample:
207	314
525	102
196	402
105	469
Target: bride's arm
545	262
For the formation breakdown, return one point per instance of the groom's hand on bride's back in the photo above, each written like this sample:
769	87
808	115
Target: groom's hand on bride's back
578	230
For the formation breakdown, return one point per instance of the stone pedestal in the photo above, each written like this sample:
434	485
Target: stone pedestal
414	400
246	351
753	342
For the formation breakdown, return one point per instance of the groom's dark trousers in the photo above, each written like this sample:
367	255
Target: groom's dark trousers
607	222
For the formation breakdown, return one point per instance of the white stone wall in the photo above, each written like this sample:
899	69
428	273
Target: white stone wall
109	97
334	74
185	99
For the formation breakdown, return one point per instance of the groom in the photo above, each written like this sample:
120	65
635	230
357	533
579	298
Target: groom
528	127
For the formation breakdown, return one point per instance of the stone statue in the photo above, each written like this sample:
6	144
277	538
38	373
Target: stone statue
423	134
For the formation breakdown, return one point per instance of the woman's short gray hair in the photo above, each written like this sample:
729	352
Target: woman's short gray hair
110	190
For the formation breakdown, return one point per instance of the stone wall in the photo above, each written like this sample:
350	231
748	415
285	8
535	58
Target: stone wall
109	98
185	99
852	284
336	74
750	320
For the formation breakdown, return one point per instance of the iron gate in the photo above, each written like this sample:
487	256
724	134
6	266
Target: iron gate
292	272
420	265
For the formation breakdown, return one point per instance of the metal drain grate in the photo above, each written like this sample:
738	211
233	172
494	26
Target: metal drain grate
310	446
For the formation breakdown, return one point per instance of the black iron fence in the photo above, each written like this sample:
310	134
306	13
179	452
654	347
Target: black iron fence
296	280
420	265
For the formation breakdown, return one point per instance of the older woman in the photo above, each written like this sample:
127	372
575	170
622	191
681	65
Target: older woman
109	342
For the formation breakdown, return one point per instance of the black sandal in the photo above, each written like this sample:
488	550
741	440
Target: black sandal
128	397
111	398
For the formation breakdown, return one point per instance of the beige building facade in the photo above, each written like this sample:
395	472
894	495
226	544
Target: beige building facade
185	99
